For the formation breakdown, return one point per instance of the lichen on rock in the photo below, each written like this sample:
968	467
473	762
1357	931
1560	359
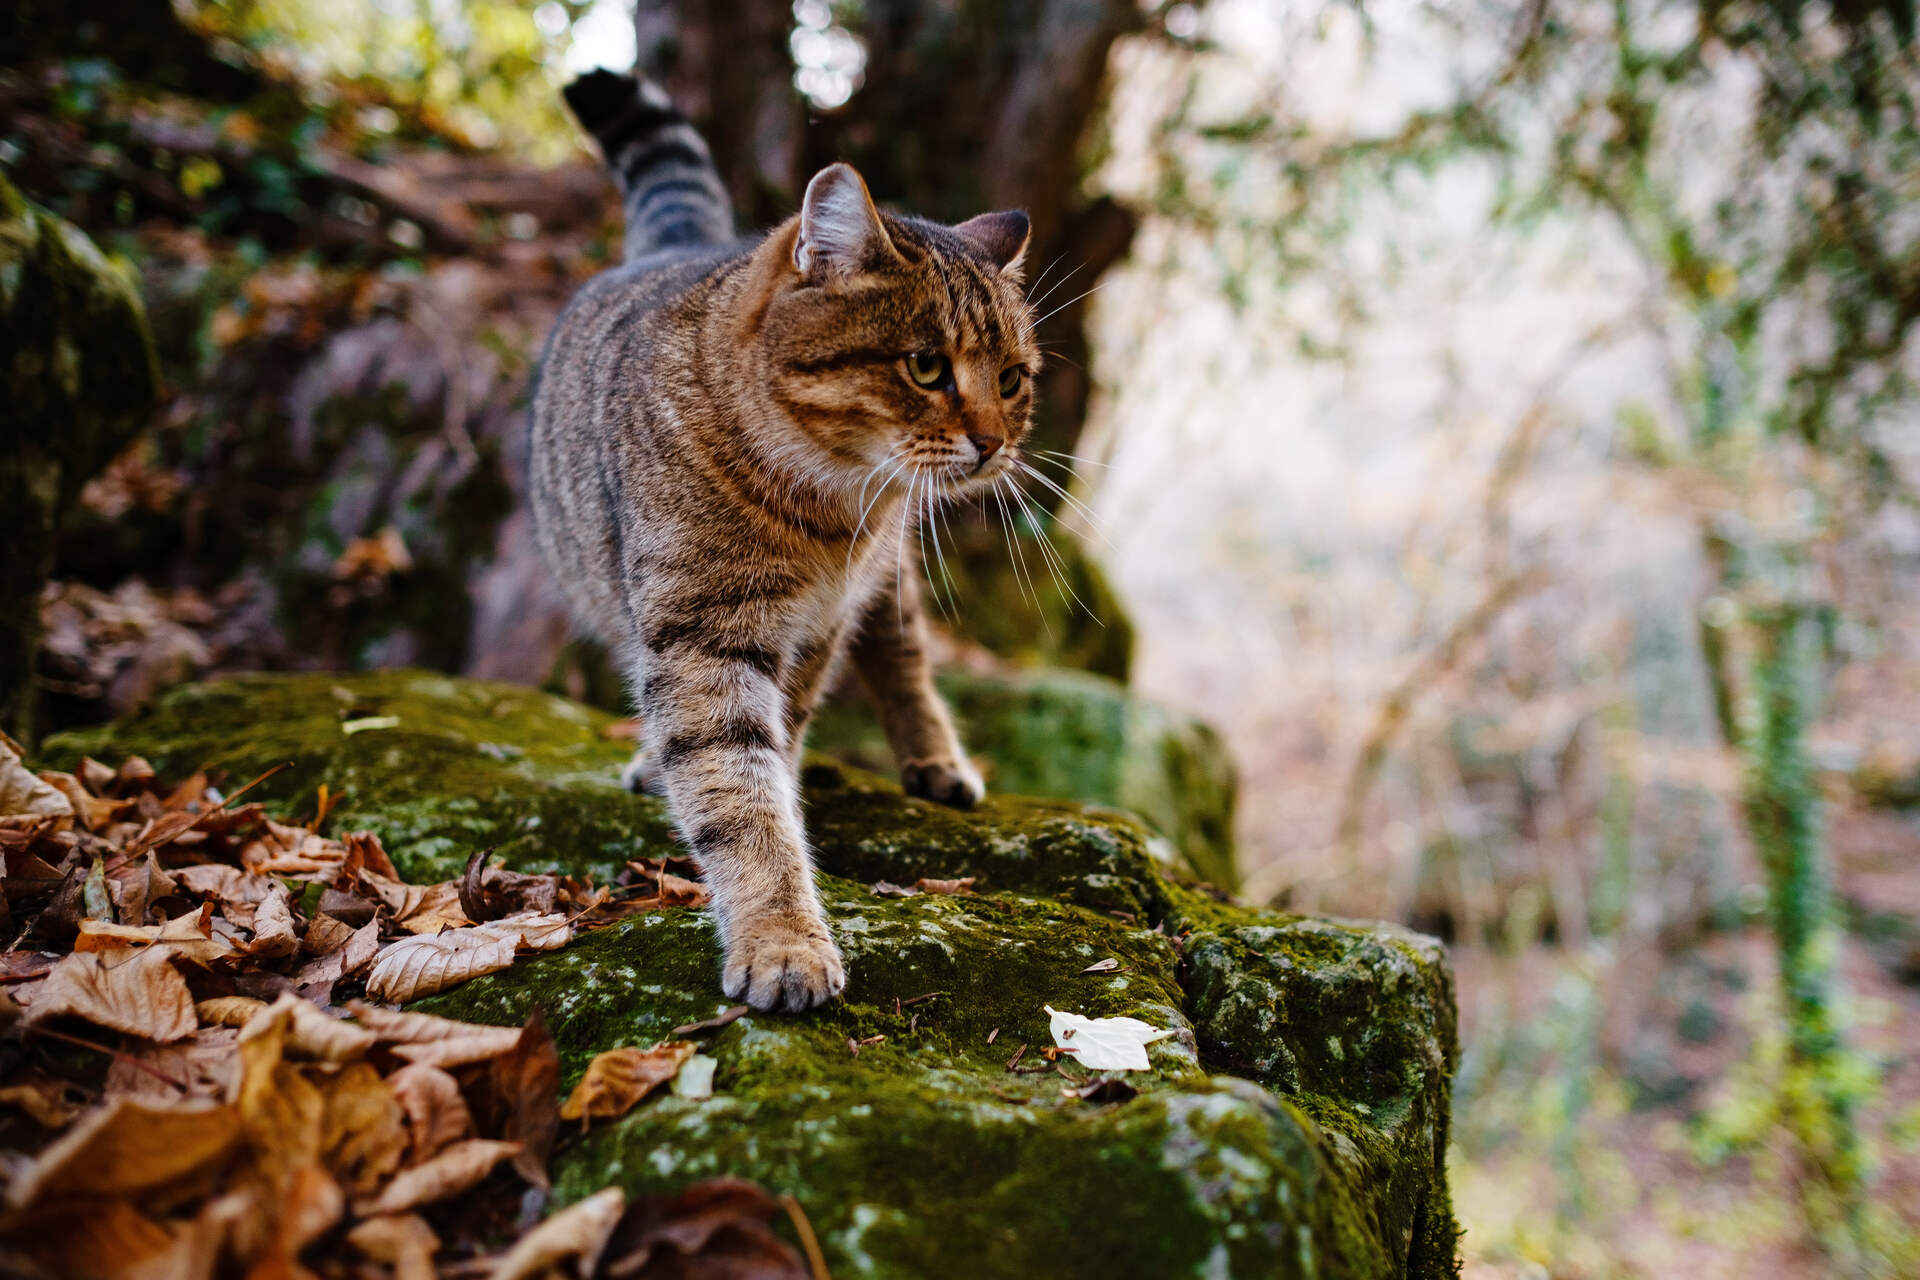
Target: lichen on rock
1295	1124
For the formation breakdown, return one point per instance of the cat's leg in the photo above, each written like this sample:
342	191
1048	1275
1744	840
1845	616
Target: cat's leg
891	653
715	727
638	775
805	681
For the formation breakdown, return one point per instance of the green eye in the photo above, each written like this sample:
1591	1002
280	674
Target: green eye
1010	380
927	369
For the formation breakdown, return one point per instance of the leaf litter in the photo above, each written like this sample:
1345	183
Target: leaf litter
254	1115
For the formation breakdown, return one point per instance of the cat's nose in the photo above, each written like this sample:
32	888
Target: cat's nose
987	445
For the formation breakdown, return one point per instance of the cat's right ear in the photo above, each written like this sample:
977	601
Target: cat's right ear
840	230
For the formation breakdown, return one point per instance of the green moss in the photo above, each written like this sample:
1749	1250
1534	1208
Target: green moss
1072	735
1295	1125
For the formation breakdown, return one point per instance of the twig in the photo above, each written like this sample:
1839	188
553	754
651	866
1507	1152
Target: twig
115	1054
809	1243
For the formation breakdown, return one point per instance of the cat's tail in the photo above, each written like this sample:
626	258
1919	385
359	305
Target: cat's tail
668	185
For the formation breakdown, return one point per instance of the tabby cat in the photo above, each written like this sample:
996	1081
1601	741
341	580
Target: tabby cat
731	441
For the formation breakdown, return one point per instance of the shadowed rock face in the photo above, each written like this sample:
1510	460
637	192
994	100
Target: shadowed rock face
80	380
1296	1125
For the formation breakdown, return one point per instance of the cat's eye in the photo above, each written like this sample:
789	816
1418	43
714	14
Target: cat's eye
927	369
1010	380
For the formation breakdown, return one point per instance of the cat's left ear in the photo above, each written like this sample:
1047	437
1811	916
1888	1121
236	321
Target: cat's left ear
840	231
1002	237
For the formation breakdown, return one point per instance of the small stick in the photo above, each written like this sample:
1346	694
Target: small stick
809	1243
1017	1055
993	1035
115	1054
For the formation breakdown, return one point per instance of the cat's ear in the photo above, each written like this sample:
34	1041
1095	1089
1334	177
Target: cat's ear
840	230
1002	237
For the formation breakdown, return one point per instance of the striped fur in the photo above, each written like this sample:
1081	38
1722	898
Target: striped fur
730	450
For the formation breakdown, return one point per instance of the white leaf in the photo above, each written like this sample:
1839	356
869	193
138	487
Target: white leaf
1105	1044
696	1077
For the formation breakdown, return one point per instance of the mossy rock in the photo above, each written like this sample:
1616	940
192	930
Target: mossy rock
1296	1124
1073	735
81	379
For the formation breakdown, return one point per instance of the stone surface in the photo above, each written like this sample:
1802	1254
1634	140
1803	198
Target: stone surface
1078	736
80	381
1295	1126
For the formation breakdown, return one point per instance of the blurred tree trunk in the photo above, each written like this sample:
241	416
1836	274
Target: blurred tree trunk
963	107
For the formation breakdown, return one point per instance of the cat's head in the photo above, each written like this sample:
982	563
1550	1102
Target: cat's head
901	350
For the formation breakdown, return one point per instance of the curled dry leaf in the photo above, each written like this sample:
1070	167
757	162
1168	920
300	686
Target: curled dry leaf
205	1065
403	1241
1102	966
228	1011
725	1018
273	935
349	961
459	1168
619	1078
126	1146
190	936
526	1084
579	1231
138	992
363	1137
395	1027
436	1113
888	889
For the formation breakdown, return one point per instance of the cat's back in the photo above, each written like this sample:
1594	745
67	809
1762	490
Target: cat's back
619	355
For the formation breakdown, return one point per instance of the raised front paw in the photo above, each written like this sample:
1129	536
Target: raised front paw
952	782
782	964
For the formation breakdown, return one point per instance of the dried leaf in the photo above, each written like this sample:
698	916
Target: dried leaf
228	1011
308	1031
722	1226
403	1241
1105	1044
473	895
206	1065
22	793
888	889
350	961
578	1231
100	1238
273	935
395	1027
946	887
363	1131
725	1018
282	1109
619	1078
52	1103
189	936
459	1168
695	1079
1102	966
434	909
526	1079
415	967
1104	1090
126	1146
138	992
436	1113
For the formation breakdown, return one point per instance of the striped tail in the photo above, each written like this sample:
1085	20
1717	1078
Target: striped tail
668	185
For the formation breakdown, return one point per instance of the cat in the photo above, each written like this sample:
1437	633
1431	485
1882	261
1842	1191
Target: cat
731	440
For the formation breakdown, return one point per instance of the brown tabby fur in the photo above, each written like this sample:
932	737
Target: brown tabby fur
728	457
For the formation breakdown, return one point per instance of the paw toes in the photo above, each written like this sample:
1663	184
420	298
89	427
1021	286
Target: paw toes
943	782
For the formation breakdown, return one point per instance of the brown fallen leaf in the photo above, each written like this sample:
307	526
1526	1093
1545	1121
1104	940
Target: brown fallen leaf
281	1108
394	1026
190	936
403	1241
719	1227
888	889
273	935
228	1011
22	793
52	1103
363	1136
436	1112
526	1081
725	1018
420	966
963	885
435	909
126	1146
619	1078
459	1168
349	961
98	1238
579	1231
473	895
205	1065
1102	966
308	1031
138	992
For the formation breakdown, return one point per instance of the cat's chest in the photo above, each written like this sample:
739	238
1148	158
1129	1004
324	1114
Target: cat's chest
838	594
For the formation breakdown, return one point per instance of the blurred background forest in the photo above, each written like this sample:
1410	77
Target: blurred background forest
1497	418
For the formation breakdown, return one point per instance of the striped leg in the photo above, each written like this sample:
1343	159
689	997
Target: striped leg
891	652
715	729
806	679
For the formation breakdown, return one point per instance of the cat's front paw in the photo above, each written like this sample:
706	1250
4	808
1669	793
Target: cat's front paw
782	964
951	782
